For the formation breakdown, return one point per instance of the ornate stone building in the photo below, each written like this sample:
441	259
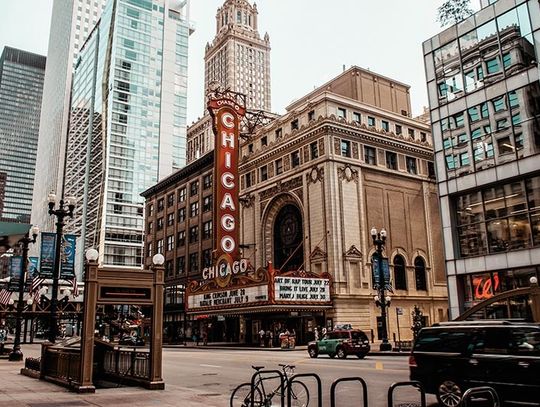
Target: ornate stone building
343	159
237	59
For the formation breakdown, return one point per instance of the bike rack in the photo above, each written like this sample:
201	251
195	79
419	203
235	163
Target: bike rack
259	373
416	384
319	387
348	379
475	391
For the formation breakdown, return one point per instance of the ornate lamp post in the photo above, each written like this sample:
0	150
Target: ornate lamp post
16	354
381	300
64	209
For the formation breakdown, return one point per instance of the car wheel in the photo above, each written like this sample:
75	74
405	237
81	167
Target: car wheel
449	393
361	355
313	352
341	353
332	355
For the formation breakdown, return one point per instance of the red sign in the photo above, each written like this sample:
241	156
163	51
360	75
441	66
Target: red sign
226	116
483	287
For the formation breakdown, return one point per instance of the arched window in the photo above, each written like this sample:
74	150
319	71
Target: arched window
420	274
400	275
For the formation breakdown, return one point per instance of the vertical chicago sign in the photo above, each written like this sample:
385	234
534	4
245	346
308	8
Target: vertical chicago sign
226	118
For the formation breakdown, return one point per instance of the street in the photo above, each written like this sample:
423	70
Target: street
207	377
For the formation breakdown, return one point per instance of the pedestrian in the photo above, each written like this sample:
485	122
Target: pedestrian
316	333
205	336
261	337
270	337
3	338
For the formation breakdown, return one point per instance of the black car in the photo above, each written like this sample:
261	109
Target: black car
449	358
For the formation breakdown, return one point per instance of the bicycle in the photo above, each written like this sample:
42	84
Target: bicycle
241	396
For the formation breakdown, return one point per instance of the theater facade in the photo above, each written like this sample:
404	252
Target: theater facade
312	183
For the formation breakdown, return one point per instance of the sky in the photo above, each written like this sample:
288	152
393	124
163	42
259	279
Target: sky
311	41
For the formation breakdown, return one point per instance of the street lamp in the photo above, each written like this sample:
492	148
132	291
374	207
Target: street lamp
16	354
65	208
381	299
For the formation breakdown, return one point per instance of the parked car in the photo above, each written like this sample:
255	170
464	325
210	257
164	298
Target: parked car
449	358
341	343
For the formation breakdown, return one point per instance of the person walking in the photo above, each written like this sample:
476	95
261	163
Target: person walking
261	337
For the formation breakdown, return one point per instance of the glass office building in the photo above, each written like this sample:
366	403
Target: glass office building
484	94
128	121
21	89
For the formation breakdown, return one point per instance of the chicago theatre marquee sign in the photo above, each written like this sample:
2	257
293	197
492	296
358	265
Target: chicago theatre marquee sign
231	282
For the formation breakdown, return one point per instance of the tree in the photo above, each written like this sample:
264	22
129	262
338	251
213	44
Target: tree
454	11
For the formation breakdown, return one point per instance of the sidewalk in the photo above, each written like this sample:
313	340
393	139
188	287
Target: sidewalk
17	391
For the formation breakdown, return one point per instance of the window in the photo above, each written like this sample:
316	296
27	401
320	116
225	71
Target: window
493	65
279	166
279	133
194	188
170	200
345	148
411	133
170	219
420	274
357	117
181	238
264	141
207	230
170	243
149	250
169	268
411	165
423	137
181	214
150	227
248	179
150	210
159	248
311	115
400	275
399	129
370	156
295	159
250	148
371	121
182	195
207	181
342	113
207	257
193	262
180	265
264	173
391	160
314	150
160	205
159	224
499	104
431	169
385	125
194	209
207	203
294	124
193	234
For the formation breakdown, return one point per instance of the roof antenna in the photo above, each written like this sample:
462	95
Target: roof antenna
343	67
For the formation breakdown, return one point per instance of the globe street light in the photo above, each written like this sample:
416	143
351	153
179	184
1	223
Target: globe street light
381	299
16	354
65	208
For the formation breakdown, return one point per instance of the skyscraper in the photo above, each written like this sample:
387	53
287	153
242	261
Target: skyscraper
71	23
237	59
21	88
128	121
484	94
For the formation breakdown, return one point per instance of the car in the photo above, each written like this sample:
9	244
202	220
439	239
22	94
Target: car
449	358
341	343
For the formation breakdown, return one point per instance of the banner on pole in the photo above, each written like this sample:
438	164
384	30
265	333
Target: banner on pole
69	243
48	247
32	272
16	271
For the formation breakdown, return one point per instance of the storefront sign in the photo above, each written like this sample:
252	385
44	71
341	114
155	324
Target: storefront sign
229	298
301	289
485	287
226	115
223	270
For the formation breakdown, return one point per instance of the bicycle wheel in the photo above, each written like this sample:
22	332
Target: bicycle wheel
241	396
299	394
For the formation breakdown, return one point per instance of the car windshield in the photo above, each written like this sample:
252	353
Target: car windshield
438	340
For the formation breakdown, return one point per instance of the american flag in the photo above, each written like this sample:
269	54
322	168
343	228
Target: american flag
36	284
75	287
5	296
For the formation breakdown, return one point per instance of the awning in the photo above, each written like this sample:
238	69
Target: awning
11	233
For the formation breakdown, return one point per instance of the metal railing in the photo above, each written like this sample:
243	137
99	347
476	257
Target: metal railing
61	364
127	363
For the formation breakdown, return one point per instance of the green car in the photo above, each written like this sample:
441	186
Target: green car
341	343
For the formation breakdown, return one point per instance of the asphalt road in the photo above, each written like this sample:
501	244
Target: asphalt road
216	372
